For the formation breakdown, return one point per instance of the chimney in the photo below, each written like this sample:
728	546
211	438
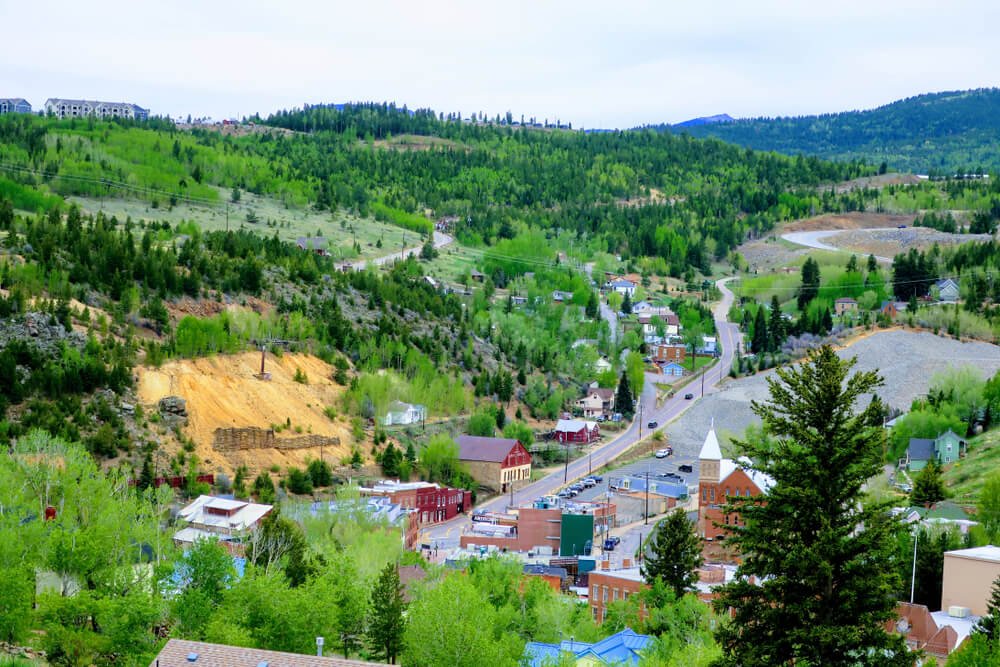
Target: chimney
319	647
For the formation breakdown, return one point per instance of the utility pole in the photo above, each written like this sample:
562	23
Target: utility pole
646	513
566	469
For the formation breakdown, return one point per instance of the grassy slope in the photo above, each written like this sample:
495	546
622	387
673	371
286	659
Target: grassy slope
965	479
340	228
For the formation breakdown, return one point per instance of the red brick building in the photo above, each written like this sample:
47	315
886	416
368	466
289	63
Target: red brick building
433	503
670	353
720	478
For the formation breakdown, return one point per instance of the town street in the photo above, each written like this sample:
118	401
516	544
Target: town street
446	534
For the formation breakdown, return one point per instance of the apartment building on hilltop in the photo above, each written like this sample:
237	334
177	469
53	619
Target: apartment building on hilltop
63	108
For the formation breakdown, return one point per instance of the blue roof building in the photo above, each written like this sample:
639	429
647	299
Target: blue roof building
623	648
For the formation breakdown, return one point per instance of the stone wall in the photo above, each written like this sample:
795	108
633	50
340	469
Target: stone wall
241	439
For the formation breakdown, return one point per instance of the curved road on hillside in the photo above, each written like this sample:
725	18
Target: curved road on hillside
440	240
447	534
814	239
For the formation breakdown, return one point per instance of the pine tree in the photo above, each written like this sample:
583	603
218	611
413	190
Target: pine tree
872	264
810	283
775	326
674	554
810	542
627	304
146	475
385	618
989	624
928	487
411	452
760	337
593	306
852	263
623	399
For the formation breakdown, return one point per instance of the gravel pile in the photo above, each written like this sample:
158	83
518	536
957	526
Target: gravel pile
907	360
888	242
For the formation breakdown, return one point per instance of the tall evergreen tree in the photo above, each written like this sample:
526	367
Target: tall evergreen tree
385	617
872	264
760	337
989	624
810	283
674	554
146	479
775	326
627	304
593	305
809	544
623	399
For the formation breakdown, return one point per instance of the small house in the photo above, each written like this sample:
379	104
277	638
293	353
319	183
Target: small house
477	276
576	431
597	402
622	286
672	369
317	244
947	290
561	297
602	365
404	414
845	305
889	309
623	648
946	448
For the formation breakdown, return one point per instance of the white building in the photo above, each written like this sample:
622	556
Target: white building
403	414
209	516
62	108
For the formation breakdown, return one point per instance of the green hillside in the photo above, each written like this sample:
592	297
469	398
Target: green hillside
937	133
965	478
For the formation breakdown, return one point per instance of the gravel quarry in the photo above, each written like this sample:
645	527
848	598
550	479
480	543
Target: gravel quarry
907	360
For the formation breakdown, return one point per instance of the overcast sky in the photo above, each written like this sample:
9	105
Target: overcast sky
595	64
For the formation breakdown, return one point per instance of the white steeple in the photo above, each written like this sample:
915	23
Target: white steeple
711	450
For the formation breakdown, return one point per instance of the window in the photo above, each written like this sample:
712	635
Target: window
712	493
605	588
614	594
593	611
596	593
704	495
747	493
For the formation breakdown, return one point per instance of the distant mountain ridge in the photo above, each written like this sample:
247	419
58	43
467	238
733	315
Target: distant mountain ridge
935	133
706	120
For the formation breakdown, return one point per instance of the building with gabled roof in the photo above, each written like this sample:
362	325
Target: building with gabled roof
719	478
575	430
496	463
622	648
224	518
14	105
63	108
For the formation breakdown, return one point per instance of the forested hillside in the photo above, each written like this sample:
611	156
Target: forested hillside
937	133
702	197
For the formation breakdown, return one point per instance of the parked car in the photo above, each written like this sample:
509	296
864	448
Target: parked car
688	397
664	453
653	424
589	482
612	542
685	467
565	493
597	478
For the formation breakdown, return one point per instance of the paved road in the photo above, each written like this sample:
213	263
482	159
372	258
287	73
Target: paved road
447	534
440	240
609	315
815	239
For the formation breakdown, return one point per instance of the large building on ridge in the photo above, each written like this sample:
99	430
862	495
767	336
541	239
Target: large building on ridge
720	478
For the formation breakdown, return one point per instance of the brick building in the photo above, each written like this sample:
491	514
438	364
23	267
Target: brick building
546	528
496	463
720	478
433	503
670	354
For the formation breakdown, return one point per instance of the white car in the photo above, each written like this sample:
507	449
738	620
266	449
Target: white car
663	453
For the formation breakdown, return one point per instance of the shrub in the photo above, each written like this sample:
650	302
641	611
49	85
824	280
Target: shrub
298	481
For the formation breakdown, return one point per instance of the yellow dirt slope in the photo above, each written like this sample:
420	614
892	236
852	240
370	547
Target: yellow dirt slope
221	391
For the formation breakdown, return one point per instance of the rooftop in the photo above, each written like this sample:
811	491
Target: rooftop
222	513
183	653
987	553
479	448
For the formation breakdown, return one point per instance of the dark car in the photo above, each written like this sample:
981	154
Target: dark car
611	543
653	424
688	397
685	467
597	478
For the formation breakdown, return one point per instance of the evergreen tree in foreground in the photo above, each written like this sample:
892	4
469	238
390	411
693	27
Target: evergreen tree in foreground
623	399
822	560
674	554
989	624
385	621
928	487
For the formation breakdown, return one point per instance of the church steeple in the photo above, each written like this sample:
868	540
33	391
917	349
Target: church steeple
710	457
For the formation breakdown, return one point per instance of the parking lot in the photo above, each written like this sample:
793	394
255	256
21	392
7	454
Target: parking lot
652	465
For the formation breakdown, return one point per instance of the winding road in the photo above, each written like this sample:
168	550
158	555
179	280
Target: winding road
446	534
814	239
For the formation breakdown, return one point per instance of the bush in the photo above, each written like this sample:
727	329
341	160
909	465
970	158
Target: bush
300	376
319	473
298	481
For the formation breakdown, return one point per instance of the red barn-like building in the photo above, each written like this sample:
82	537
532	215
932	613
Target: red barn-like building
496	463
576	431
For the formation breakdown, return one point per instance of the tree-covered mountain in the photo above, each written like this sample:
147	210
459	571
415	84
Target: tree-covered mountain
937	133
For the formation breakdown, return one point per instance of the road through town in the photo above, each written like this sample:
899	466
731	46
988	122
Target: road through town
446	534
